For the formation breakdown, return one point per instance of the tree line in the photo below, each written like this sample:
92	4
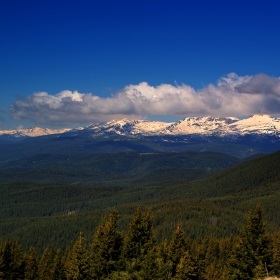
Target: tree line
136	254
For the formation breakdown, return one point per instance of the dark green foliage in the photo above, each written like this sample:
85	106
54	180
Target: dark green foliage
11	261
254	255
106	248
77	266
276	252
179	259
186	268
139	240
177	248
48	214
51	214
88	169
156	264
51	265
31	265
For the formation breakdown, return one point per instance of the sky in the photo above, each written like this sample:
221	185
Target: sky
66	63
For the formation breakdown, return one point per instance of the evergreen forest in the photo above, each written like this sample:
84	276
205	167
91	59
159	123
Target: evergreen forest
191	215
111	254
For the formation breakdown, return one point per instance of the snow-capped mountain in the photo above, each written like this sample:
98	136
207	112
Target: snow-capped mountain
32	132
203	125
227	126
257	124
126	127
238	137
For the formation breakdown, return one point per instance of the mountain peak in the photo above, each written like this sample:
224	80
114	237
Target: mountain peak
261	118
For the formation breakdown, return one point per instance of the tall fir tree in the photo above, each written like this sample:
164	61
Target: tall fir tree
177	248
77	261
106	248
140	239
253	256
211	249
58	269
31	264
157	264
186	268
51	266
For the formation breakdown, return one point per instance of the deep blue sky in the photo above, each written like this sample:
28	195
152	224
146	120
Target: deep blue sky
100	47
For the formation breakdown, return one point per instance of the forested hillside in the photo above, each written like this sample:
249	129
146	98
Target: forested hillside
47	200
93	169
40	211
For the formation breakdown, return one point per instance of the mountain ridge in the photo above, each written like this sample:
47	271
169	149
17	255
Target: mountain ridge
221	126
32	132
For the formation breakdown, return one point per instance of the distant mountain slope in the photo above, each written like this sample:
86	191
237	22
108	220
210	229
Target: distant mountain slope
242	146
126	166
257	175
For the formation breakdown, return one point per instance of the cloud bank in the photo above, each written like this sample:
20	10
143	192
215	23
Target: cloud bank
232	96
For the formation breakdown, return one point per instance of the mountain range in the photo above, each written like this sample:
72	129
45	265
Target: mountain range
256	124
237	137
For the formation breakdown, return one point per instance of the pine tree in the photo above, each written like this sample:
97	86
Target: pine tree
58	266
177	248
51	266
253	253
106	248
77	261
150	269
186	269
31	265
139	241
211	258
161	263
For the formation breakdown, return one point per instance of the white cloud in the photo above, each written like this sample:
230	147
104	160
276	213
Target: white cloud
232	96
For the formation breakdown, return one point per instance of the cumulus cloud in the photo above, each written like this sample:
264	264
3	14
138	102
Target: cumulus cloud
232	96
